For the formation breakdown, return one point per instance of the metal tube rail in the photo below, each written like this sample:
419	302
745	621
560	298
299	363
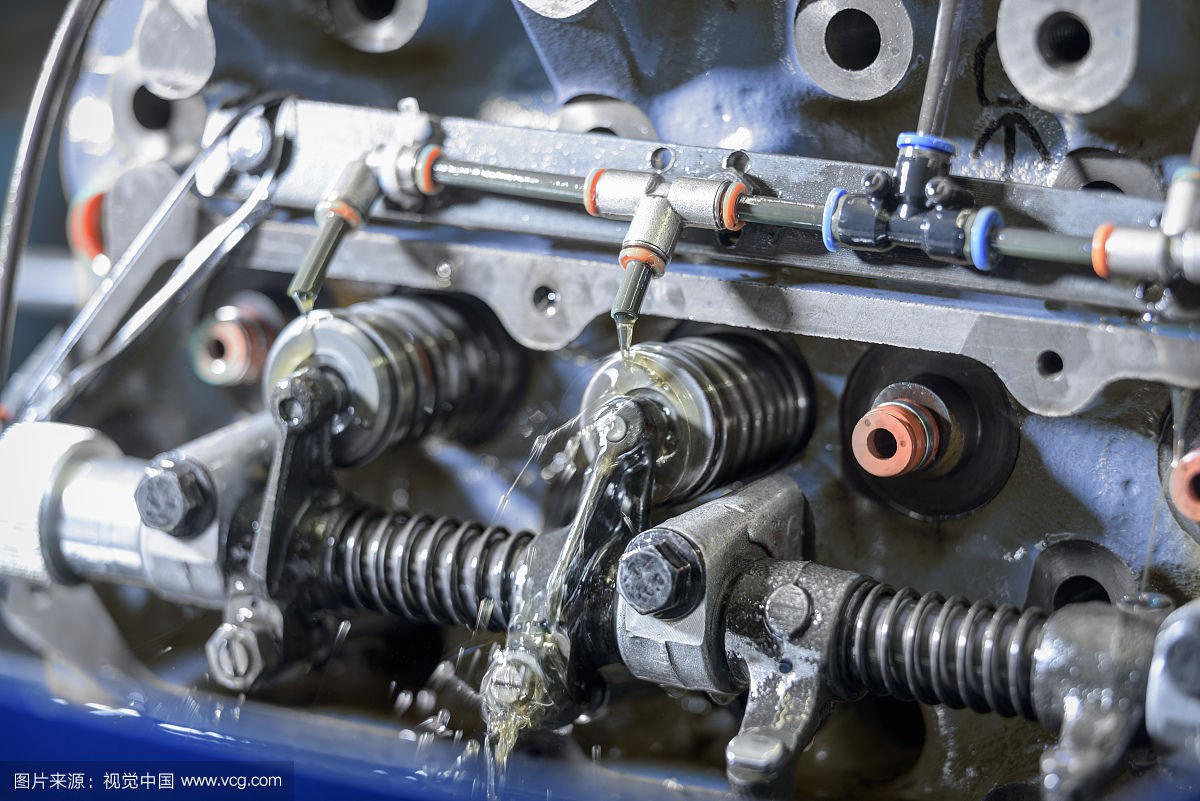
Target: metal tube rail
520	183
1030	243
1027	243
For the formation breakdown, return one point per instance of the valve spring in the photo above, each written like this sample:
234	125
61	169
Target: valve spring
759	393
426	569
939	651
463	367
414	365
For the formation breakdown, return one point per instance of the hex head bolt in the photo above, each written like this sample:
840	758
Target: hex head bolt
175	497
895	438
240	655
660	574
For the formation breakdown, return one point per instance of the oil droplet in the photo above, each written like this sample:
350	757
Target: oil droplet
625	338
1181	402
529	673
305	301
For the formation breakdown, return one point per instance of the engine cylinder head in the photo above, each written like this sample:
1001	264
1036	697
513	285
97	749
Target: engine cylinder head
414	366
736	405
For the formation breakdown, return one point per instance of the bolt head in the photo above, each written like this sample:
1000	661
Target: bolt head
660	574
510	684
173	497
238	656
789	612
249	143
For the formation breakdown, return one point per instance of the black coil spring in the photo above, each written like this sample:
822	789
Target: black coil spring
938	651
426	569
760	395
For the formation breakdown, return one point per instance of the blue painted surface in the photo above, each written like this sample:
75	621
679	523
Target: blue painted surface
42	734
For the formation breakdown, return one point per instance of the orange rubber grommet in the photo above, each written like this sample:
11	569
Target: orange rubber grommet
1185	486
729	217
85	230
424	170
340	208
589	191
1100	250
644	255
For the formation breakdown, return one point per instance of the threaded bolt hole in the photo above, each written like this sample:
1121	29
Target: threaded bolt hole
1064	40
882	444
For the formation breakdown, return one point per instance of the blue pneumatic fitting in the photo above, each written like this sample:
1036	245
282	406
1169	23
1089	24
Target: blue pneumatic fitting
827	220
987	219
925	141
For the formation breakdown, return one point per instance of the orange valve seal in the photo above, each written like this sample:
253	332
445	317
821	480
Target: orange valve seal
894	439
1100	250
1185	486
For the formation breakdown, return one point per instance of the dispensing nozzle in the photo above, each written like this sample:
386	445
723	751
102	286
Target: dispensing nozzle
341	211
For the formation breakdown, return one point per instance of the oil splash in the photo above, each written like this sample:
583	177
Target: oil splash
540	443
527	678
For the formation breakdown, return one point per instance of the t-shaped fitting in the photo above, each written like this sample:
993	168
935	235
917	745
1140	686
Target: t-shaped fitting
657	211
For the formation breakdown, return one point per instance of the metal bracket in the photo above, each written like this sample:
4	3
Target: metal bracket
786	651
250	644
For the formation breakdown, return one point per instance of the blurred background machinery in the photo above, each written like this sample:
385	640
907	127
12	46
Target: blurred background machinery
563	398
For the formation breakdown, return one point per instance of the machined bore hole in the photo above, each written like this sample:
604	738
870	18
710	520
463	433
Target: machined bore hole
1193	488
374	10
738	160
215	349
151	111
1079	590
852	39
290	411
545	300
1064	40
662	158
881	443
1049	364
